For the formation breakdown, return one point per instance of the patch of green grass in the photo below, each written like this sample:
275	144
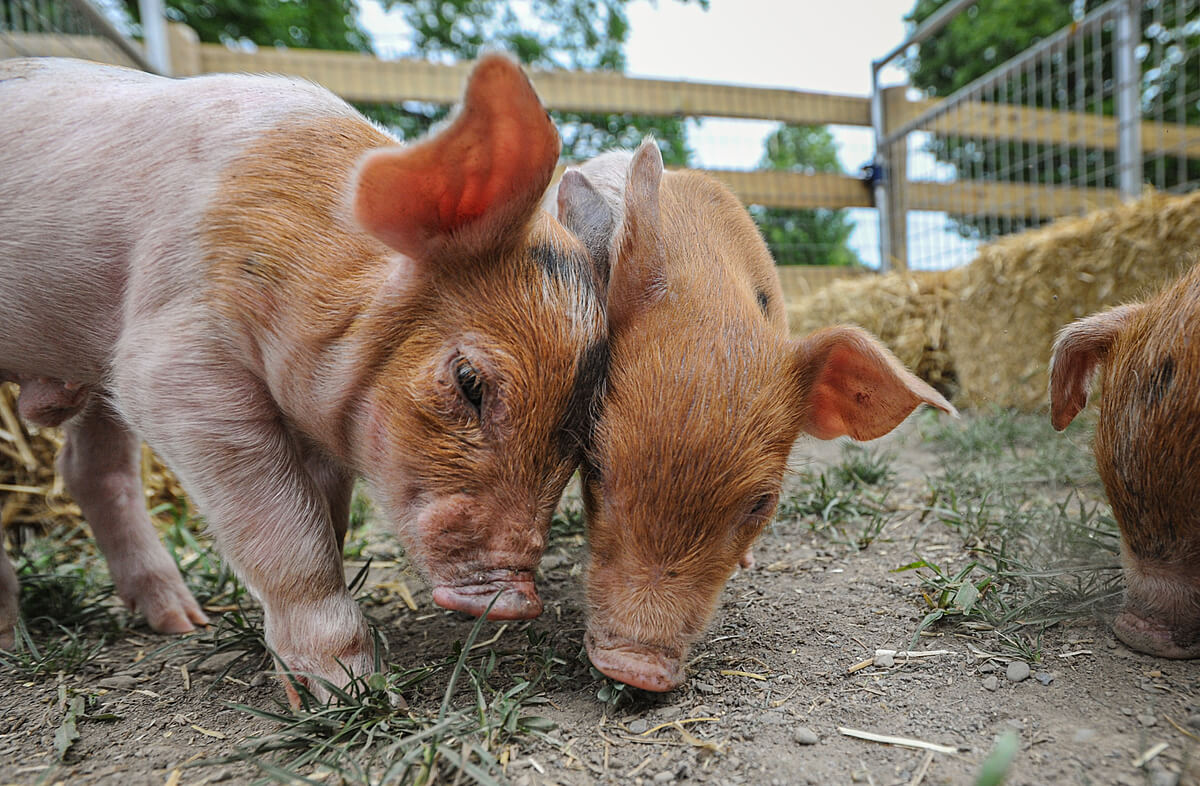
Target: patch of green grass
66	609
568	523
47	652
209	577
1039	545
1022	448
849	501
864	465
367	734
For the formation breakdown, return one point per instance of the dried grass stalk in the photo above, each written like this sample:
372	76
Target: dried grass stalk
33	492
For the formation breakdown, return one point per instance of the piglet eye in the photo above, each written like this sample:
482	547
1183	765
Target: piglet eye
761	506
469	383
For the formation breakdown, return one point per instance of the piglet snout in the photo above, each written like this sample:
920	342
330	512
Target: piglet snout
518	597
641	665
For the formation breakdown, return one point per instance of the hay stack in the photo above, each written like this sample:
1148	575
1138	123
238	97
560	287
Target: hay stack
1021	290
32	493
907	311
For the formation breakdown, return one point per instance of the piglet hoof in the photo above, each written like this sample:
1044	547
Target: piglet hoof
518	598
1156	638
747	561
164	600
325	645
8	636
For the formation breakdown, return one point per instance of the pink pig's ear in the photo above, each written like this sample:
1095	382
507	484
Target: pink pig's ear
637	272
1079	349
588	216
474	184
856	386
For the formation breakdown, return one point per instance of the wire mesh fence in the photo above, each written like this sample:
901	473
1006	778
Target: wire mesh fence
1041	136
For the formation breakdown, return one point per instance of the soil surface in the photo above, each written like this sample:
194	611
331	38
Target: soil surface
788	664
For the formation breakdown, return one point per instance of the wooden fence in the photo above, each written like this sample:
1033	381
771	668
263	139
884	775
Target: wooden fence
361	77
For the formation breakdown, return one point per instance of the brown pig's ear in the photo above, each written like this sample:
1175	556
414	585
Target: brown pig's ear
855	386
473	185
638	270
588	216
1078	351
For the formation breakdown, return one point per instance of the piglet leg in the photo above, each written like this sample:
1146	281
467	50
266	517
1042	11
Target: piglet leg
336	486
9	607
250	476
100	463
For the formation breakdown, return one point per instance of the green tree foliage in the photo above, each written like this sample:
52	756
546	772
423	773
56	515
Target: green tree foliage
572	34
991	32
804	237
309	24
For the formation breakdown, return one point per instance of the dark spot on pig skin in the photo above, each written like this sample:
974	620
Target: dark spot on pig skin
1161	379
569	266
583	406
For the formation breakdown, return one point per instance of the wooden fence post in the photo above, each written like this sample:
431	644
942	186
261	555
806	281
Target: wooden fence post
183	49
895	110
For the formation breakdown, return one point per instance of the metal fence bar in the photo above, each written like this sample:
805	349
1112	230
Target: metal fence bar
1129	116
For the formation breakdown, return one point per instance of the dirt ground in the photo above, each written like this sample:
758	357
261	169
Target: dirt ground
785	667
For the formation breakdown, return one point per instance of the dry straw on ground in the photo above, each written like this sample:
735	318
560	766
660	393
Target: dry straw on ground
1022	290
984	332
33	493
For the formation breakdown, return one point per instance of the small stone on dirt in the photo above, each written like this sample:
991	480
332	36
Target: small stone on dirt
1044	677
215	664
120	682
1147	719
885	659
1084	735
664	777
1194	721
987	668
639	726
1161	776
991	682
704	687
1017	671
701	711
805	736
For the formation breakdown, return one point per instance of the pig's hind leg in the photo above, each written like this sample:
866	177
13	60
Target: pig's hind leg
100	463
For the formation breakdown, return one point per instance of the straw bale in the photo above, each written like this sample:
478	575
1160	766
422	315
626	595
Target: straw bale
32	493
1016	295
907	311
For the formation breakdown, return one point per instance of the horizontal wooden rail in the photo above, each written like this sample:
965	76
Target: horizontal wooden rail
364	78
360	77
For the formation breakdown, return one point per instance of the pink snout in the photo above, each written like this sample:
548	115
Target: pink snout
518	597
640	665
1155	637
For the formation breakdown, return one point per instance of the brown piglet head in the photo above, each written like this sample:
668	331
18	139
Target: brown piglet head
488	340
705	396
1147	446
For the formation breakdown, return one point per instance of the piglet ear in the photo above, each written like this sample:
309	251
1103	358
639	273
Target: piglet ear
586	214
638	270
855	386
1079	349
474	184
